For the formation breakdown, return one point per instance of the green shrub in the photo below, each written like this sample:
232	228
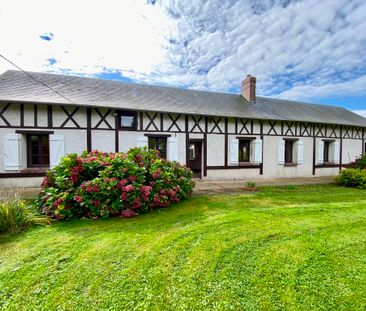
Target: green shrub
359	163
100	185
16	215
352	177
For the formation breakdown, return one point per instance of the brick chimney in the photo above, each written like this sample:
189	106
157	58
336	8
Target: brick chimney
248	88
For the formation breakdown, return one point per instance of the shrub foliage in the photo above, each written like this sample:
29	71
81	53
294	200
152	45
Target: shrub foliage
359	163
100	185
16	215
352	177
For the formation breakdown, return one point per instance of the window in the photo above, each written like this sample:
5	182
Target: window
158	143
244	150
128	119
288	151
38	151
326	151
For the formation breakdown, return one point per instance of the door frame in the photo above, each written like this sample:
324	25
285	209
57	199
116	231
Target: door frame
196	140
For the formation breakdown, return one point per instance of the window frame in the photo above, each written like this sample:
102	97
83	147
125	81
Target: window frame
41	155
240	154
127	113
289	151
326	151
158	138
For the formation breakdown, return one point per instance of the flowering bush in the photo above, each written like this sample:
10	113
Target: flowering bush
100	185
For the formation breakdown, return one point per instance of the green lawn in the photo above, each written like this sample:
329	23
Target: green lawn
288	248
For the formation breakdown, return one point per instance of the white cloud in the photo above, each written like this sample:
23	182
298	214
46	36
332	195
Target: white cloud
360	112
297	49
88	35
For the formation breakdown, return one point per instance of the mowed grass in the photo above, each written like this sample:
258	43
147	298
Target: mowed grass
283	248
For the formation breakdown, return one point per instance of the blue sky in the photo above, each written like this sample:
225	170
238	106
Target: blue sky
306	50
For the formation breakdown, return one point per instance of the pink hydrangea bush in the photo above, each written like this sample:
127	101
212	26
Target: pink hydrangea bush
101	185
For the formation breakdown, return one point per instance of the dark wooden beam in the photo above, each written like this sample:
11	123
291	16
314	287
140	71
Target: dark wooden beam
22	175
340	148
233	167
187	138
116	131
35	115
49	116
205	149
88	129
21	115
314	151
226	141
261	133
30	132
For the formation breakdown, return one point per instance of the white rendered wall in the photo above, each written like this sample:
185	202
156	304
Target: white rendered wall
103	140
215	150
351	149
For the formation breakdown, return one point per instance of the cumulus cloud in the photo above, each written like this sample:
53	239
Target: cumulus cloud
297	49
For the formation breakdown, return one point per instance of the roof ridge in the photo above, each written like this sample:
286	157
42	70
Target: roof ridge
122	82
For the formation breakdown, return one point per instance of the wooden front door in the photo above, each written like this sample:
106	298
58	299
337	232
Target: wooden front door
195	158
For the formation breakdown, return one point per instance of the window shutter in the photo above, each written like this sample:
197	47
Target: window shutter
57	149
258	151
336	153
320	153
142	141
281	152
234	151
300	151
11	152
172	152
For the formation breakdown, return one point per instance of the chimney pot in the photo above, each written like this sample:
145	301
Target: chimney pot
248	88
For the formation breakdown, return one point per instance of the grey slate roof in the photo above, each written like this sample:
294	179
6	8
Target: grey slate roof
17	86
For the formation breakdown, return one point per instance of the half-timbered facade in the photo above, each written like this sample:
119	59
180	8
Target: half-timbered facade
220	136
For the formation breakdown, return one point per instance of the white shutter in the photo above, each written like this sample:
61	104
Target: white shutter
172	152
11	152
336	152
320	153
57	149
300	151
281	152
257	151
142	141
234	151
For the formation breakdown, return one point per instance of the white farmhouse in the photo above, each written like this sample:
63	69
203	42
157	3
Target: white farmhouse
218	135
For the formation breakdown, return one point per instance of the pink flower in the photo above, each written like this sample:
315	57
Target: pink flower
95	188
91	159
78	198
58	202
74	177
132	178
45	182
145	192
138	158
136	203
96	203
128	213
124	196
156	174
128	188
106	164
